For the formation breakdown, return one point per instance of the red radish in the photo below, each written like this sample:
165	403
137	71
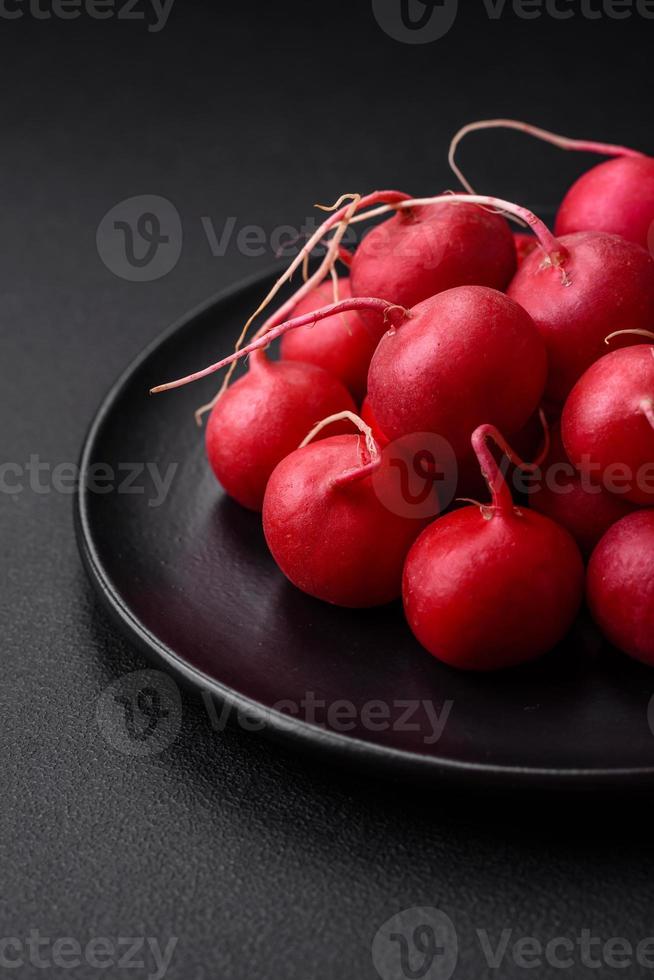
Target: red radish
342	345
488	587
620	585
327	527
577	502
425	250
609	284
460	357
455	354
577	289
616	197
440	248
608	422
263	417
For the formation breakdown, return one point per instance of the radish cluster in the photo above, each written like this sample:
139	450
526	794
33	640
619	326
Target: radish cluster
381	446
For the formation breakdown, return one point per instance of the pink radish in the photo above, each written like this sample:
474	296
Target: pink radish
616	197
342	345
441	366
609	284
460	357
579	504
620	585
263	417
488	587
577	289
608	422
424	250
327	526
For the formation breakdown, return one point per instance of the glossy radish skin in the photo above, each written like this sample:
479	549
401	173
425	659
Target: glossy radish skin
609	286
263	417
582	506
608	420
342	344
491	587
620	585
462	357
425	250
337	542
615	197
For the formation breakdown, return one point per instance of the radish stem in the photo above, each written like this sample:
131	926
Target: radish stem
340	217
501	495
344	306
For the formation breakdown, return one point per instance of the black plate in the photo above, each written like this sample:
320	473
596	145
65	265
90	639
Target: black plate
193	584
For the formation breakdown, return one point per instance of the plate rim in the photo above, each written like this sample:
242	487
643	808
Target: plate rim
275	723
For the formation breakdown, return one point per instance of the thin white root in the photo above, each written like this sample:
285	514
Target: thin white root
365	430
635	330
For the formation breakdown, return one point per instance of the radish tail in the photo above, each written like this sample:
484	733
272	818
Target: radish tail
563	142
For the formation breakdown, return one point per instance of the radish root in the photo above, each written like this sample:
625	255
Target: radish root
355	303
563	142
492	470
340	218
634	330
368	465
365	430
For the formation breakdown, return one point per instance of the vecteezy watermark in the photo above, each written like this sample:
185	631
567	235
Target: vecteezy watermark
341	715
415	21
425	21
154	13
417	476
563	952
140	714
38	476
134	953
140	238
416	944
422	943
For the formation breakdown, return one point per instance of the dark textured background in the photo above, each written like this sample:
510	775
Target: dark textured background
262	863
